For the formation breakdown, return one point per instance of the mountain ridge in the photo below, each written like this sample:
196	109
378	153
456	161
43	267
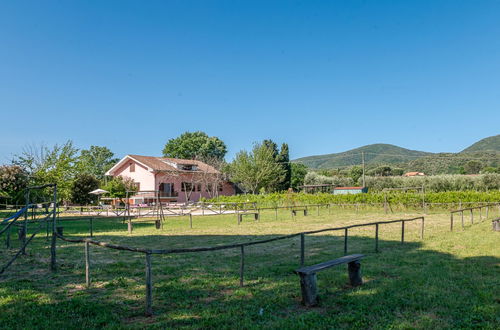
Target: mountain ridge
389	154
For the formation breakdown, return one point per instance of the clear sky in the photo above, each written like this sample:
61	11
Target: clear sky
324	76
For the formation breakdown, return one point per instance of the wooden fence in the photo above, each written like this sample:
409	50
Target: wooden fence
470	210
240	246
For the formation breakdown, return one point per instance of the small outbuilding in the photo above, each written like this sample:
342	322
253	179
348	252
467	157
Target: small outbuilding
349	190
414	174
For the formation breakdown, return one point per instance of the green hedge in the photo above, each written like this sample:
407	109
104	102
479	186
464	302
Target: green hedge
280	199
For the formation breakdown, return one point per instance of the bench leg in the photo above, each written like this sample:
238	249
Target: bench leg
305	212
354	269
256	216
309	289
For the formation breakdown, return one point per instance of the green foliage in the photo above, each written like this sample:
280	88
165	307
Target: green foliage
408	199
95	161
284	159
473	167
13	181
374	154
118	186
490	169
491	143
355	173
298	173
51	165
313	178
191	145
437	183
82	185
257	170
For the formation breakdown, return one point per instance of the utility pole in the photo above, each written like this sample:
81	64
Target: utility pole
363	160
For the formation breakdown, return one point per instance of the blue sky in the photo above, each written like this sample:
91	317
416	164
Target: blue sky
323	76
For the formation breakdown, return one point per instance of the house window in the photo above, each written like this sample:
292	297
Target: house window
132	167
219	186
187	186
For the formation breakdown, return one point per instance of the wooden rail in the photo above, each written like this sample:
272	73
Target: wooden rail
241	246
470	210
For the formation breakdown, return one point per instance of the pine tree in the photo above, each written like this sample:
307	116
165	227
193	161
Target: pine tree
283	159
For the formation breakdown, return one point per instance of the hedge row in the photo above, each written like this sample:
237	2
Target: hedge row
283	199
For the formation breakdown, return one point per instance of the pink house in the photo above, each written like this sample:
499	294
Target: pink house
175	180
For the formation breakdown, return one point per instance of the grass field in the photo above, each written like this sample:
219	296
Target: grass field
447	280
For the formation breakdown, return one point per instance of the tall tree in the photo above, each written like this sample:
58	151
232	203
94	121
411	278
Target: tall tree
13	181
50	165
191	145
256	170
283	159
95	161
298	174
83	184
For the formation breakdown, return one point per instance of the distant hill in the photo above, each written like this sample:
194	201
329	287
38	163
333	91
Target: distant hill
374	154
451	163
491	143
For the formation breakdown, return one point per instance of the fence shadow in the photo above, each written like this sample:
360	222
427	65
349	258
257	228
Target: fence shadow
405	286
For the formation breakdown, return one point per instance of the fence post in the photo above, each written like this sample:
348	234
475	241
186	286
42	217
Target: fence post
471	216
7	239
328	205
87	264
276	213
402	232
149	286
53	265
480	213
487	211
376	237
345	240
242	264
190	221
422	229
129	225
451	221
91	227
302	243
463	226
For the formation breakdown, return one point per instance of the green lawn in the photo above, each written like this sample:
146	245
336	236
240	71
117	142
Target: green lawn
448	280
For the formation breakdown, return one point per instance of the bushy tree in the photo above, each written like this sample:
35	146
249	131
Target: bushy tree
195	145
95	161
381	171
50	165
257	170
473	167
298	173
355	173
82	186
118	186
13	181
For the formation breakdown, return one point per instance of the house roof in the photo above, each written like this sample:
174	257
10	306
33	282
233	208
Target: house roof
160	164
413	173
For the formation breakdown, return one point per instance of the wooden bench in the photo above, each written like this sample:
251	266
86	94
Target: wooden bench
308	276
241	214
294	211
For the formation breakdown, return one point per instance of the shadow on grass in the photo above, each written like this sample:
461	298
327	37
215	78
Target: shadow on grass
406	286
